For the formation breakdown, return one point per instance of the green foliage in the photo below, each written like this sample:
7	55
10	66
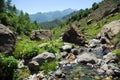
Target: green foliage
2	6
117	52
79	15
4	18
95	6
48	66
50	48
52	24
26	49
18	23
21	74
7	67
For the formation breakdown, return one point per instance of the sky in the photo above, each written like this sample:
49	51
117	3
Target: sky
34	6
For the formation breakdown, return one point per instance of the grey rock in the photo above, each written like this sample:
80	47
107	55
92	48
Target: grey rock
73	35
74	51
45	56
41	35
66	48
100	71
89	21
59	73
93	42
21	64
38	76
64	54
110	57
87	58
33	65
7	40
109	31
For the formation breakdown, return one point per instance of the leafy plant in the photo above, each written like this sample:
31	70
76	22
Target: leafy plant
26	49
117	52
7	67
48	66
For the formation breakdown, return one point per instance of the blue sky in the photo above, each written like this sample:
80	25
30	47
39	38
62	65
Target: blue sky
34	6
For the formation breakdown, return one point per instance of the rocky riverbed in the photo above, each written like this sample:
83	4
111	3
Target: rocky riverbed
94	61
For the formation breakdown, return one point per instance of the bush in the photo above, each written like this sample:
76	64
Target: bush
7	67
48	66
117	52
26	49
95	6
4	18
50	48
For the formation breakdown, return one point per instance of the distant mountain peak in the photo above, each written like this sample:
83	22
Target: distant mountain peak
50	16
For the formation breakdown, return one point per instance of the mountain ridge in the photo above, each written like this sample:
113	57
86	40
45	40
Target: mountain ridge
50	16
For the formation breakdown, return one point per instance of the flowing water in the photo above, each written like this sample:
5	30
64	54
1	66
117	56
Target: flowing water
82	72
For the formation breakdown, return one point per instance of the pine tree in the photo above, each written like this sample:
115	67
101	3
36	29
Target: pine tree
2	6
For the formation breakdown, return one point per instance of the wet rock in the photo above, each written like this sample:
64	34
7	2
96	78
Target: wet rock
7	40
73	35
75	51
110	72
110	57
41	35
64	54
109	31
100	71
71	57
66	48
33	65
87	58
43	57
91	43
37	76
62	63
59	73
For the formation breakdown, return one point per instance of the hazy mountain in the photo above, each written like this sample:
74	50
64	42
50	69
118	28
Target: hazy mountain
49	16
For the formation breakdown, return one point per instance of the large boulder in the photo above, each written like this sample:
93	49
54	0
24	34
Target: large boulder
45	56
41	35
7	40
109	31
73	35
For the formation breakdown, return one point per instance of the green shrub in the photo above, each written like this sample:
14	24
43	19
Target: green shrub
50	48
95	6
117	52
48	66
30	52
7	67
26	49
22	73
